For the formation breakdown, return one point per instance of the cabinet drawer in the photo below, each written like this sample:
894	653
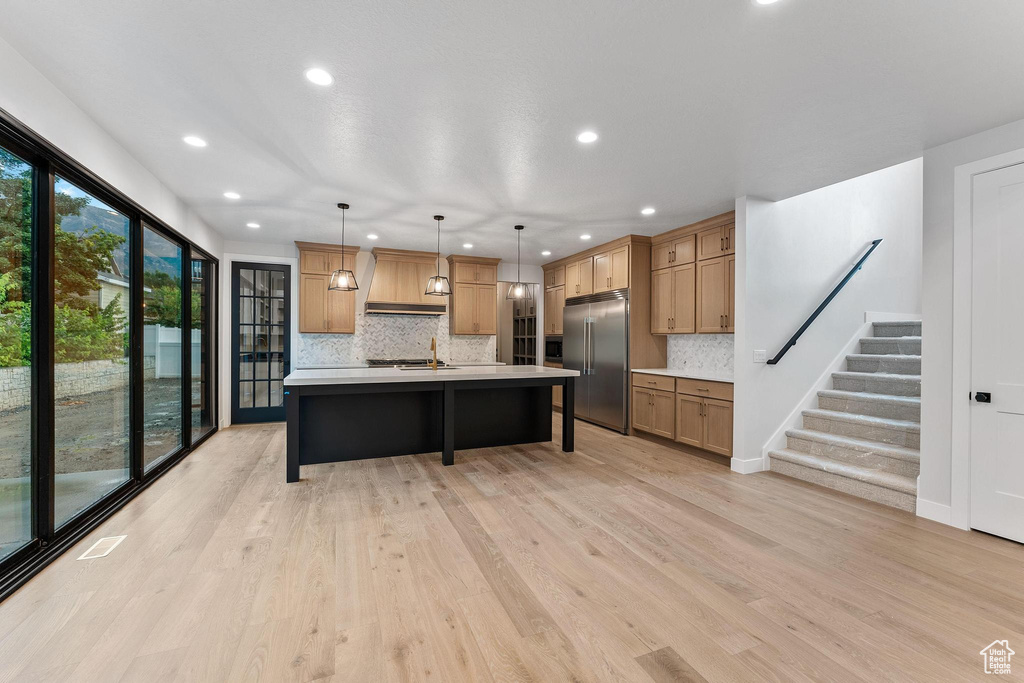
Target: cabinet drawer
659	382
697	387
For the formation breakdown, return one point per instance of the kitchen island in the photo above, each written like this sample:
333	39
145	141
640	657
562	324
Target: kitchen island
350	414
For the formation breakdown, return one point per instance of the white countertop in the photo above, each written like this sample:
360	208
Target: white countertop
385	375
334	366
706	375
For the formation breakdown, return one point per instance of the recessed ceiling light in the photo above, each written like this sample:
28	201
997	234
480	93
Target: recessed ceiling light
371	236
545	253
467	245
252	225
232	195
587	136
765	2
649	211
194	141
319	76
584	237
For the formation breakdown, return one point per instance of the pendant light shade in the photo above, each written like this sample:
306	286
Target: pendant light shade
438	285
343	280
519	290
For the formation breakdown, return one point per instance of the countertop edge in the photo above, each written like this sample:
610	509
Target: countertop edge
685	374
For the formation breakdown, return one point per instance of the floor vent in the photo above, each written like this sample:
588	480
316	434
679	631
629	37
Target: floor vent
102	547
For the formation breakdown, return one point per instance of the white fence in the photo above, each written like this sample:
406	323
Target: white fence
161	346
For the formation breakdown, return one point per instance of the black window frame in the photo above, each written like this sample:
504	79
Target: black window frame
49	542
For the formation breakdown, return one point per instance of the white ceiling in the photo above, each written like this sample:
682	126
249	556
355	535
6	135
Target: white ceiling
471	109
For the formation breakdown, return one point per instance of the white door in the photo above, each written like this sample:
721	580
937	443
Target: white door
997	350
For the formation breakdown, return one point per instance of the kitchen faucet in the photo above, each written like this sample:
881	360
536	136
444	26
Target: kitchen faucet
433	347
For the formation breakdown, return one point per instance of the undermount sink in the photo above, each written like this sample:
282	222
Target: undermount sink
443	367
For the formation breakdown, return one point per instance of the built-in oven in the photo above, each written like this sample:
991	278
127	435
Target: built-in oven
553	348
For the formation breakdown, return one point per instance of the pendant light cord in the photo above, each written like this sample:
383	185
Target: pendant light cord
519	255
343	238
438	262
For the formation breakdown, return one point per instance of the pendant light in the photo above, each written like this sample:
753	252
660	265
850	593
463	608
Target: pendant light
519	289
343	280
438	285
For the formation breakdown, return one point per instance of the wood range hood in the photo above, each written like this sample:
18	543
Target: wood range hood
399	282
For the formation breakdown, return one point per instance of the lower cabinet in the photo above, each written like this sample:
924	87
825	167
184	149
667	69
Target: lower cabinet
653	411
692	412
704	423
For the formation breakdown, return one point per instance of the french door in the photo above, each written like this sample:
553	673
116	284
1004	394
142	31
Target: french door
997	366
260	333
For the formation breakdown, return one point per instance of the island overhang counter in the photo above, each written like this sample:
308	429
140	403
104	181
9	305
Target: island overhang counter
334	415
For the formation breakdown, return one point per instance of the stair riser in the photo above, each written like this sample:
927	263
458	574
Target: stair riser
854	487
851	456
891	435
904	330
878	385
893	366
894	410
891	345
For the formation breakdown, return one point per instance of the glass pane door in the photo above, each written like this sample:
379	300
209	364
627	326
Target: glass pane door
203	279
16	226
260	321
90	338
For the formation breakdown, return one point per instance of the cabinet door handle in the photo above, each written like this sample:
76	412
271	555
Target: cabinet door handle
722	244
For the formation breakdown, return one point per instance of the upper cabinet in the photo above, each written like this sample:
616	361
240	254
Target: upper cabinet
693	274
474	298
579	277
554	277
717	241
322	311
611	269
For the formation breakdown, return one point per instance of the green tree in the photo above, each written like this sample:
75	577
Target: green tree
82	329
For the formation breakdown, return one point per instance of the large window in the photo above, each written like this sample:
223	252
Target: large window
203	273
107	320
91	288
16	227
162	346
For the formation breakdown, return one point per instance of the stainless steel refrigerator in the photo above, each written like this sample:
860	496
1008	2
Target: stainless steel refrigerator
595	341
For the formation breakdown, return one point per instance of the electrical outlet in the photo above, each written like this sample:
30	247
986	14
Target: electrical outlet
760	356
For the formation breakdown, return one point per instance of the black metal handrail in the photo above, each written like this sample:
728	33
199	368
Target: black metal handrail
853	271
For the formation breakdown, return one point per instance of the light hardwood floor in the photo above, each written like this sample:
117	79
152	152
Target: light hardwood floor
625	561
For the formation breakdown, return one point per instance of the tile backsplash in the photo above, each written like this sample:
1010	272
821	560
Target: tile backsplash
393	336
705	352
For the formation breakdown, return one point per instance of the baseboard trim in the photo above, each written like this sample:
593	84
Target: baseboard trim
748	466
937	512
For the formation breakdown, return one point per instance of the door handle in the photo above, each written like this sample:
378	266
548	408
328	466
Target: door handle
983	397
722	245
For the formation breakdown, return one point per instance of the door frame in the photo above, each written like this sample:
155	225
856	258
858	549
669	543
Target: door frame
963	286
231	347
226	268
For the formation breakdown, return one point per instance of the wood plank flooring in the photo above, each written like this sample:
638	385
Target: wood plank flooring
623	561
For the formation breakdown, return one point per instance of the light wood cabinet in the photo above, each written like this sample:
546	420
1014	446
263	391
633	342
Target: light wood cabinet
554	277
611	270
715	242
474	309
673	300
654	411
579	277
689	420
675	252
554	309
718	426
715	312
477	273
703	421
322	311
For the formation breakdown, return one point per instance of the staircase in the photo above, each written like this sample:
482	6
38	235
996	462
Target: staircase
864	438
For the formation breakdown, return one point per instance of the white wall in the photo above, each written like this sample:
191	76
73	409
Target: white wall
937	400
28	96
793	253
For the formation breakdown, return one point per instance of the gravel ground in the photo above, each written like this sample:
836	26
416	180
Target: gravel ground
92	431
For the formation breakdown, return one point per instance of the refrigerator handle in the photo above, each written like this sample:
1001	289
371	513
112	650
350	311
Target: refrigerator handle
586	344
590	346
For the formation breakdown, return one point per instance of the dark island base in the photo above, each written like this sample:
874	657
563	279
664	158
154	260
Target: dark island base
335	423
